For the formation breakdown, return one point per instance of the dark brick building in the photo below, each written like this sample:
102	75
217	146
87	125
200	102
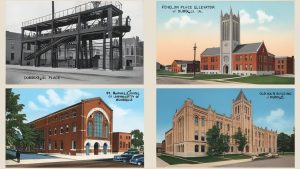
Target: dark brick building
284	65
121	141
80	129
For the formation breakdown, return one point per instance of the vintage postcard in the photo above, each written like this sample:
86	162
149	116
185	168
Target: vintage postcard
209	42
225	128
74	128
74	42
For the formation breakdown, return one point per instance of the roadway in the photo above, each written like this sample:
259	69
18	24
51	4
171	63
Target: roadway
78	164
21	76
285	161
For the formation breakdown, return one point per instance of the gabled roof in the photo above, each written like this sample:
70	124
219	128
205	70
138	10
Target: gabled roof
242	48
184	61
211	51
241	95
247	48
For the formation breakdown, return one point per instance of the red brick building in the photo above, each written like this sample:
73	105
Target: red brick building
121	141
185	66
284	65
83	128
235	58
163	146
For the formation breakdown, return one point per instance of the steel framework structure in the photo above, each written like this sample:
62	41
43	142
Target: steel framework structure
79	27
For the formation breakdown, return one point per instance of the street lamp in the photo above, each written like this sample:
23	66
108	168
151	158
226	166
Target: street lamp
194	64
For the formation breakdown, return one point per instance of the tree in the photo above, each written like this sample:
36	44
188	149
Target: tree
240	139
283	142
137	138
14	120
18	133
217	143
292	143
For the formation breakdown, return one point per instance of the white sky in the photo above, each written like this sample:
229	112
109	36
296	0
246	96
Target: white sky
18	11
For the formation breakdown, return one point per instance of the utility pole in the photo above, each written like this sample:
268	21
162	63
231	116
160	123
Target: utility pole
194	62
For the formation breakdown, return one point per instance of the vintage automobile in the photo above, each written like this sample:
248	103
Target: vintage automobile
135	158
125	157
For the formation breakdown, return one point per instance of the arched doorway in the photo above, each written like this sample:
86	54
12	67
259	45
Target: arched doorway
105	148
96	148
87	149
225	69
231	148
247	149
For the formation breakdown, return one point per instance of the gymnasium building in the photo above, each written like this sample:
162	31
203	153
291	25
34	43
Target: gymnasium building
187	137
84	128
232	57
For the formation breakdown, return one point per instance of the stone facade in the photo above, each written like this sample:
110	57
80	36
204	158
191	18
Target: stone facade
187	137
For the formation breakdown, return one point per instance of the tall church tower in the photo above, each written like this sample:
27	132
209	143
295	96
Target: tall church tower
242	118
229	39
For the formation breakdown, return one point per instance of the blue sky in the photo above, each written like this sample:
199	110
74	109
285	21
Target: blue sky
282	13
40	102
278	114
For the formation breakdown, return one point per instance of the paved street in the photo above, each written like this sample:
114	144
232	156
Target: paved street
77	164
282	161
171	80
20	76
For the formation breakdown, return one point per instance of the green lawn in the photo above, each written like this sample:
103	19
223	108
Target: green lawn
208	159
267	79
213	76
175	160
286	153
198	76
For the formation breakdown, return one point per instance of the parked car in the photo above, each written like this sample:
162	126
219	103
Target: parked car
140	161
134	159
125	157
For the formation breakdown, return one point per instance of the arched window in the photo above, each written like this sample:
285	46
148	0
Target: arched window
98	121
90	129
196	120
202	121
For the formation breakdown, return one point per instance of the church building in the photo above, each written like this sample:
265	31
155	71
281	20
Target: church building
187	137
235	58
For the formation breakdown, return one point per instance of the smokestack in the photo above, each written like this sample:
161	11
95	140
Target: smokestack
52	9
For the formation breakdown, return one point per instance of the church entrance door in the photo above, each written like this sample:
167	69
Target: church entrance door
225	69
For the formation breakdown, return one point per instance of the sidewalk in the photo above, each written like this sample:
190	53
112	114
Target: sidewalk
49	158
212	164
161	163
136	72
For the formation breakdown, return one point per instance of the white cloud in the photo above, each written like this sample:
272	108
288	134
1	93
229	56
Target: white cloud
275	115
127	119
276	120
32	106
209	24
262	28
42	99
70	96
263	17
245	17
180	22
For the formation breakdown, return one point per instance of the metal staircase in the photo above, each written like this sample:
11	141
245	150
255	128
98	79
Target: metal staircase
47	48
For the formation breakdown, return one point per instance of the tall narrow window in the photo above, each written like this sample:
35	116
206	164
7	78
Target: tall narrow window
196	148
196	120
196	135
98	121
202	121
90	129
